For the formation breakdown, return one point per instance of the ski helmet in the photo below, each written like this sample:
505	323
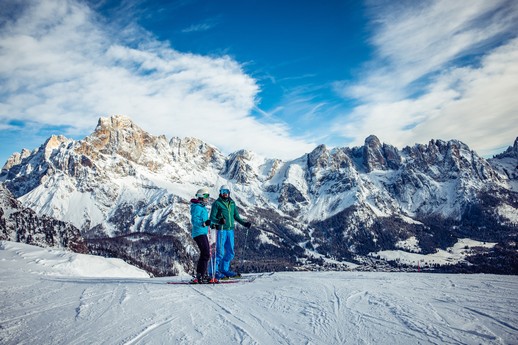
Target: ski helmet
203	193
224	188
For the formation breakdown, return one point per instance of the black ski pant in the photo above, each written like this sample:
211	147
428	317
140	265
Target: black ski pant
203	244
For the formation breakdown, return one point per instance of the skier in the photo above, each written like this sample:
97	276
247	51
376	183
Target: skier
223	213
200	225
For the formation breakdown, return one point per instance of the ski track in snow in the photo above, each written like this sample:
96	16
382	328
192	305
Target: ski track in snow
286	308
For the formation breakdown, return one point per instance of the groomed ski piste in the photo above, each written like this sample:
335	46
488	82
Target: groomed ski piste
245	278
56	297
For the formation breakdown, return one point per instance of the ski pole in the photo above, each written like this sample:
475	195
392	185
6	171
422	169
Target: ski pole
244	248
210	253
215	263
215	259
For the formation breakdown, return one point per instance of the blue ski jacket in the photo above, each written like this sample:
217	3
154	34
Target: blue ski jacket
199	215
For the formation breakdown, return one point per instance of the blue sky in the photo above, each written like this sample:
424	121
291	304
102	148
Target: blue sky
274	77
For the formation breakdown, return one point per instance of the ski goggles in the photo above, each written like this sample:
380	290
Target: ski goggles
224	191
206	195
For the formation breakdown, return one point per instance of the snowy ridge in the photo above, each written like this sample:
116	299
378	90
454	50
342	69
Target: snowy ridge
343	203
322	308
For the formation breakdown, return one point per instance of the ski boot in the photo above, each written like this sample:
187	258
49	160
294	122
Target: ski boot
199	279
211	280
230	274
219	275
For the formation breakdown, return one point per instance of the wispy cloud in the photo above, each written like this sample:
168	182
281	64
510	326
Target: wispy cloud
62	66
200	27
442	69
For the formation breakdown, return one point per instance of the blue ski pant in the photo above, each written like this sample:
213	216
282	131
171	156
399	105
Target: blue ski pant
224	249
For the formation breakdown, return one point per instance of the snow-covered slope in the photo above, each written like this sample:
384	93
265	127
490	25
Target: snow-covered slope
45	303
21	224
506	164
340	203
58	263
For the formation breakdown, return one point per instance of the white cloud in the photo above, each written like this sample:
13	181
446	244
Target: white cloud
61	66
421	38
443	70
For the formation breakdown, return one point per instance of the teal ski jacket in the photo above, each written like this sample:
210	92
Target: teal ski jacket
225	209
199	215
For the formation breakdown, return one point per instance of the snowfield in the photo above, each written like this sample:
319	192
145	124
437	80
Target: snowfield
56	297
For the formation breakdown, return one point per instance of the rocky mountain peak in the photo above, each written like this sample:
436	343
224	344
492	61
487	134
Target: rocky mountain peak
373	155
449	160
16	158
372	141
118	134
195	153
116	122
511	152
238	167
506	164
318	158
53	143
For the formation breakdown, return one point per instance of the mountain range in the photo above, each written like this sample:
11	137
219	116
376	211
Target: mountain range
127	193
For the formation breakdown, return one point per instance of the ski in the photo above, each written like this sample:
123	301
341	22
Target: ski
248	276
233	280
226	281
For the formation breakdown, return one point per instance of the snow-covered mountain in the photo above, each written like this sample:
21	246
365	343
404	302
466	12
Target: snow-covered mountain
21	224
128	192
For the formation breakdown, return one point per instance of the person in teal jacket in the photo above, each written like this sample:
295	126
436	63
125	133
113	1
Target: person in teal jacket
224	213
200	226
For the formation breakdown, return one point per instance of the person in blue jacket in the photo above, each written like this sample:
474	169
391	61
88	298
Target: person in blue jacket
200	226
223	214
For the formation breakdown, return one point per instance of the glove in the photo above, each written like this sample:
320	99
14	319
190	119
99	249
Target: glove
207	222
247	225
222	221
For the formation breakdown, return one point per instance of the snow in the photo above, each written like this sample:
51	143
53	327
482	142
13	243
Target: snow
45	302
411	244
509	212
409	220
295	176
328	205
54	262
265	239
452	255
508	171
63	201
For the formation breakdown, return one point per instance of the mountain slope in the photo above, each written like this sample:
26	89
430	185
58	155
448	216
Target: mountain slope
48	300
20	224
